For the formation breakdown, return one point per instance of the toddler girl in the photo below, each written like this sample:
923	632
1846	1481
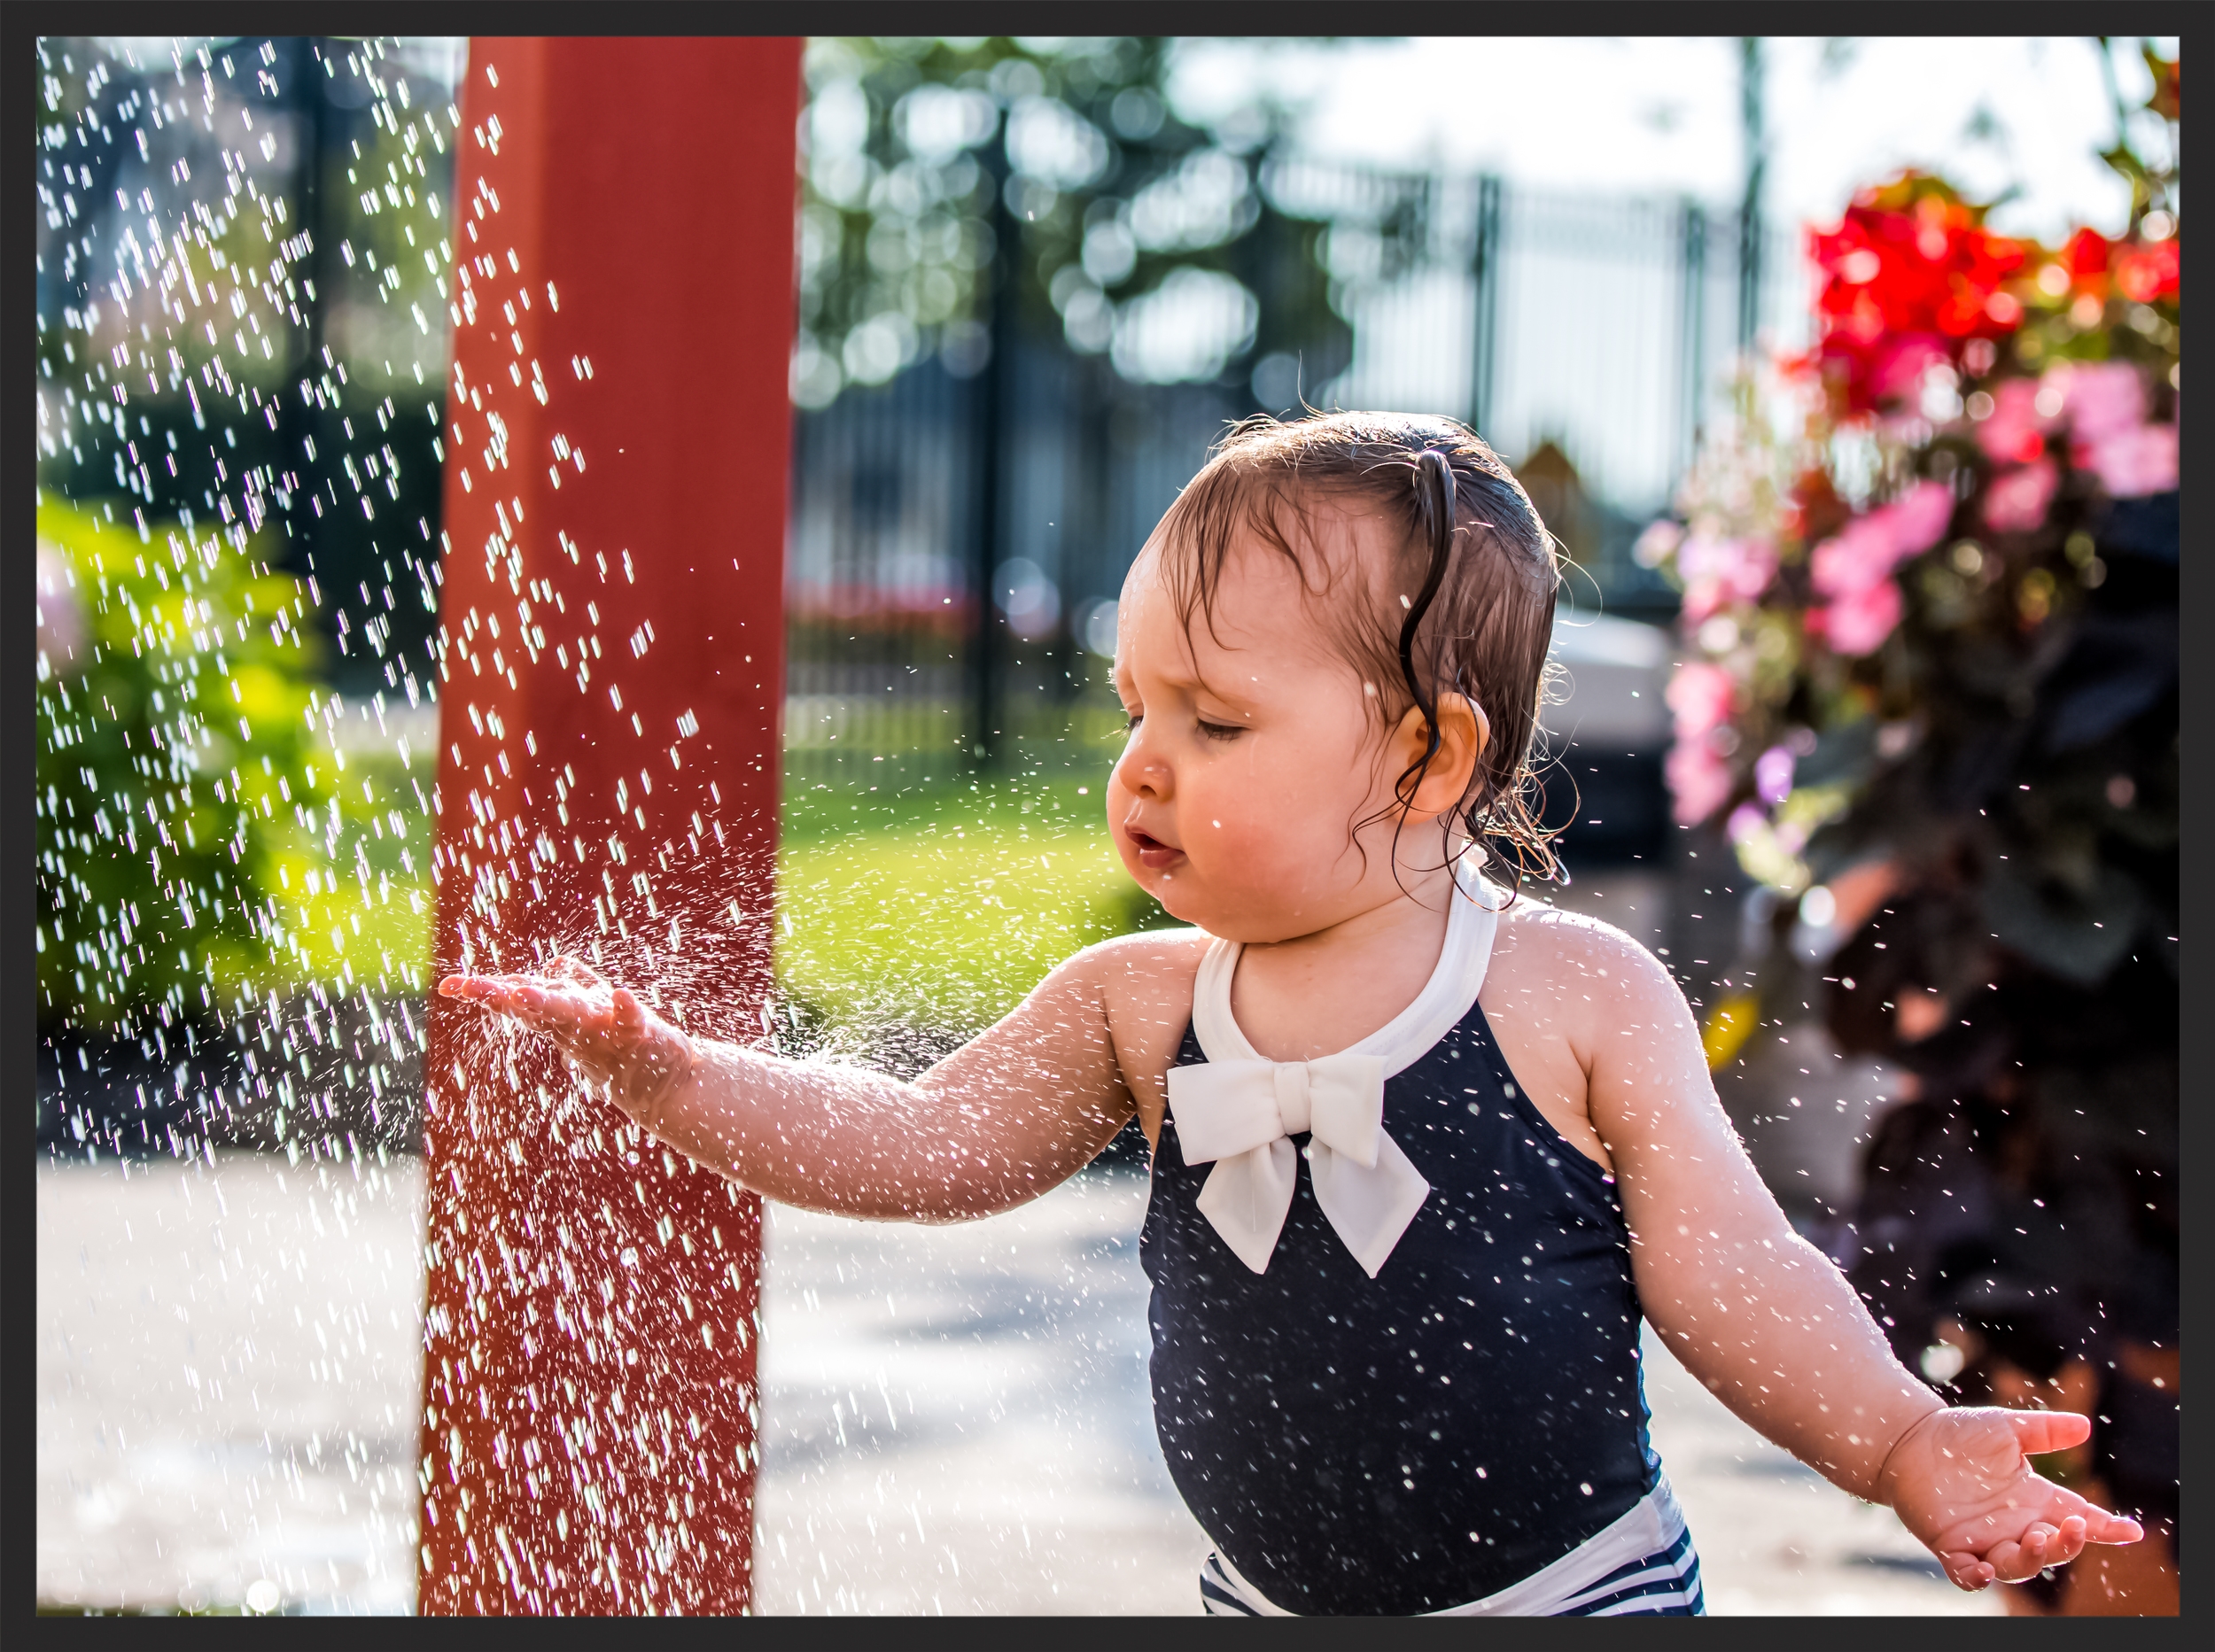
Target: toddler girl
1424	1155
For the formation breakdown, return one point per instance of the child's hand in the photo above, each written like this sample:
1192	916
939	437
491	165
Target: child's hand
1961	1481
613	1039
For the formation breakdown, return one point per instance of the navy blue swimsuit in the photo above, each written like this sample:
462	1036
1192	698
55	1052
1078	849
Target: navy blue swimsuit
1424	1438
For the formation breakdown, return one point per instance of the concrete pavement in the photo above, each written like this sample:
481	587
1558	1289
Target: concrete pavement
954	1419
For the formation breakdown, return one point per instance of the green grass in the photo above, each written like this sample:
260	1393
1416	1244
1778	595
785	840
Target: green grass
934	900
911	894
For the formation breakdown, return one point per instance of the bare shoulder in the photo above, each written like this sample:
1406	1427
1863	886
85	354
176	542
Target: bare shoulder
1144	983
1566	946
1580	977
1151	969
1588	1018
1145	951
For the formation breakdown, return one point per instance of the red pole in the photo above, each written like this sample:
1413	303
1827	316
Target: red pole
618	439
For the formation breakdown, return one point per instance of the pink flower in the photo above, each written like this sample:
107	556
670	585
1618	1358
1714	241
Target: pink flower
1901	363
1857	556
1745	821
1700	781
2135	462
2014	433
1716	571
1658	543
1863	554
2101	398
1920	520
1858	622
1773	774
1701	696
61	622
2017	500
1748	567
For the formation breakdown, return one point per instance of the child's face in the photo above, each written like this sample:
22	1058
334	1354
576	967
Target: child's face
1255	751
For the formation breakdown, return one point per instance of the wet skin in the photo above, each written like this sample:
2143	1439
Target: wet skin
1253	751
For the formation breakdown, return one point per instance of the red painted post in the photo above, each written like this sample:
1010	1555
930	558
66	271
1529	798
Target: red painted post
616	470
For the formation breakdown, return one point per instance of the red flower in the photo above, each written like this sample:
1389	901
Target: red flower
1915	279
2147	271
2086	253
2085	256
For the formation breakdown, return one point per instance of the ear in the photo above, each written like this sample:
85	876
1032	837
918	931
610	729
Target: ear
1464	732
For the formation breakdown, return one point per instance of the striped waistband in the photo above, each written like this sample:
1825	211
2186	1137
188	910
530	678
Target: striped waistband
1643	1563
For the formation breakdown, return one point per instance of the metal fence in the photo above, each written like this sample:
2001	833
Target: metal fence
1586	337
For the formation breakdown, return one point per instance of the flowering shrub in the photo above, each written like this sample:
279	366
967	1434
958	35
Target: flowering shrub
1930	482
1930	699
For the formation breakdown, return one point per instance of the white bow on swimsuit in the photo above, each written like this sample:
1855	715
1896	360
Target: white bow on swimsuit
1237	1109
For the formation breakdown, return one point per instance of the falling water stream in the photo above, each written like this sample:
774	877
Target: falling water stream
241	255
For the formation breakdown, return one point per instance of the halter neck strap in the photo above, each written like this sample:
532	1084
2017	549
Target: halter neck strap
1470	925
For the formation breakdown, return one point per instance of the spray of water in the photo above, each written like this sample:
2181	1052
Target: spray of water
241	338
246	283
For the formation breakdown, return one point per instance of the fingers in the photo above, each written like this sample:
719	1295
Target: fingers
2005	1562
2042	1545
2103	1527
2085	1522
563	974
564	1014
2067	1542
2056	1544
1966	1572
561	1009
468	985
2037	1431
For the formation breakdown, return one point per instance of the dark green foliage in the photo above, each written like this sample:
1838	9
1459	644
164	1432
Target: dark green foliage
175	762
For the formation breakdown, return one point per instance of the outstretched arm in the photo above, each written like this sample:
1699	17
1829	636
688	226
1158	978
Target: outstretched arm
1765	1321
1002	1120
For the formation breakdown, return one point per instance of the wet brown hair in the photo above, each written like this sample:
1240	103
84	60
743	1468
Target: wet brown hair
1466	606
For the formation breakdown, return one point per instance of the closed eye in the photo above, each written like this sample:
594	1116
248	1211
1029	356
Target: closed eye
1219	731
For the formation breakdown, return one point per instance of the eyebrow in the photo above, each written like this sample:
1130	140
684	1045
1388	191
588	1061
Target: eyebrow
1190	682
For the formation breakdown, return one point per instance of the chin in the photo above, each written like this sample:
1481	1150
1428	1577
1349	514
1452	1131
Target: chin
1224	913
1176	899
1172	889
1165	887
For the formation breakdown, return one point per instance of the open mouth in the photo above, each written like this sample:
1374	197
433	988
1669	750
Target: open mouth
1153	853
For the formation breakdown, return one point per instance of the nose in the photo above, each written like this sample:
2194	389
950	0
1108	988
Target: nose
1143	771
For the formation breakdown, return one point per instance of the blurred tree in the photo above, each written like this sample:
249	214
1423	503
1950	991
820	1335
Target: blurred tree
2145	151
1108	194
242	270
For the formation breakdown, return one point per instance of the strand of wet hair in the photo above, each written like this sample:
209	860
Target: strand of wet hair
1435	496
1434	508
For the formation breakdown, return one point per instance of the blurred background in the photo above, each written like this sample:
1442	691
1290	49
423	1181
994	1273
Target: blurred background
1036	277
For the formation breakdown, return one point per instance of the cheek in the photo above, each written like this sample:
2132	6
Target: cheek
1276	808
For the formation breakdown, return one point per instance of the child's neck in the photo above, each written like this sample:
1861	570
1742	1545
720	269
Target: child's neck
1317	994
